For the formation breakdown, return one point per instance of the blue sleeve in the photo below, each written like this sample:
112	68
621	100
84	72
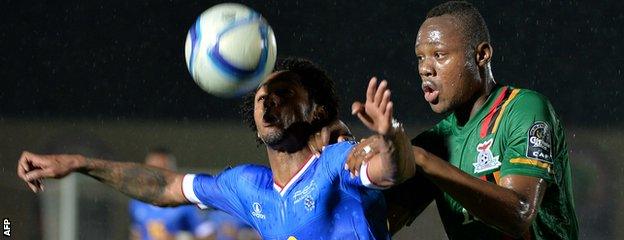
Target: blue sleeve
218	191
334	158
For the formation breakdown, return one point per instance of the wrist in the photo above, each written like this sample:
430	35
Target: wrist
395	128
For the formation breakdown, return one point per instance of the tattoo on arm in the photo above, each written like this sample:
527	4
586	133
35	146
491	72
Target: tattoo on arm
135	180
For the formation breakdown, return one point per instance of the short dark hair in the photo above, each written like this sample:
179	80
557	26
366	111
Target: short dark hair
471	22
315	81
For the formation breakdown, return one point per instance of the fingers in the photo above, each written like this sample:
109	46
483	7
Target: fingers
22	165
360	154
33	187
357	107
388	112
359	110
384	101
379	93
37	174
370	91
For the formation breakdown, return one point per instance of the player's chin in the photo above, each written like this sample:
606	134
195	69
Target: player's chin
438	107
272	136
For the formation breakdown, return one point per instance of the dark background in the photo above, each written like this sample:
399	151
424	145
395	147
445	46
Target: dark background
125	59
108	79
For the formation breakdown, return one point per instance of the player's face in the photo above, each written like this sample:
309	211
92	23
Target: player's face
449	74
279	104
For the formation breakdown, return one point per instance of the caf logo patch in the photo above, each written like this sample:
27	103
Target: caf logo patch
539	142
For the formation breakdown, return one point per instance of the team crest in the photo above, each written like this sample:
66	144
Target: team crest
485	159
309	203
305	195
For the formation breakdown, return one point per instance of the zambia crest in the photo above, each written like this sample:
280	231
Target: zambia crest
485	159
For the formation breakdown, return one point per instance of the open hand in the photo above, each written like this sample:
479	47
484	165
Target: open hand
376	112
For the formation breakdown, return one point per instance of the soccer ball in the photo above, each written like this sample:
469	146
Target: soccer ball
230	49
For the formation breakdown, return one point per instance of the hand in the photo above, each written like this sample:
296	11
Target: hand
363	152
32	168
335	132
376	112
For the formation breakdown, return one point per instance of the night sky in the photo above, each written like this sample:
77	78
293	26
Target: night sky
125	59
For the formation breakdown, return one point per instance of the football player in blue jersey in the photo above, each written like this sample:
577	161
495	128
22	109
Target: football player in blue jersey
151	222
300	195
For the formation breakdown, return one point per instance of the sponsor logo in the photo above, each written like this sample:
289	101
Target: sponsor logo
485	159
305	195
257	211
305	192
539	142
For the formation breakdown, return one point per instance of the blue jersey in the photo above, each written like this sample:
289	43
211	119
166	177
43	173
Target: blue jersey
320	202
154	222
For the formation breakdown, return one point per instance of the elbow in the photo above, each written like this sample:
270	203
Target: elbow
523	216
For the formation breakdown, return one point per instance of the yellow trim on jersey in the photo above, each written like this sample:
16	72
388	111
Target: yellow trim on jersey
497	177
531	162
500	113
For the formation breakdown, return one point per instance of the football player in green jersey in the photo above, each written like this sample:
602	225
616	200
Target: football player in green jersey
498	165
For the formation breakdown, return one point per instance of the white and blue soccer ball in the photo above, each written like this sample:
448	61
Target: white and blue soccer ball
230	49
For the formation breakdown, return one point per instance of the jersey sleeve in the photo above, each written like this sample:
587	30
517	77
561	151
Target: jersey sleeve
218	191
529	142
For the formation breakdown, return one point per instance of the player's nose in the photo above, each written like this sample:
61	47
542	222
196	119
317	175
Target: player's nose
425	68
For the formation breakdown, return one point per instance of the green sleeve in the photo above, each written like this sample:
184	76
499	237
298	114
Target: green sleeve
528	146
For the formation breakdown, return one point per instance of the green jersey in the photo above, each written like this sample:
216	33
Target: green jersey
515	132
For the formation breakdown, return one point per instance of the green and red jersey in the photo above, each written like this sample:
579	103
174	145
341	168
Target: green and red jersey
516	132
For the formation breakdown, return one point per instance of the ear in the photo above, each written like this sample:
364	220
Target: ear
484	54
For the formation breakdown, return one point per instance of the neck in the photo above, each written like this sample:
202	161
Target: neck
474	104
285	165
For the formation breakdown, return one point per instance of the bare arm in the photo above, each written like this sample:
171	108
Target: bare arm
510	206
149	184
394	162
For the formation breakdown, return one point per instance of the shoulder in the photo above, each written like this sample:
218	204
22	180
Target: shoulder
250	172
528	99
340	147
335	155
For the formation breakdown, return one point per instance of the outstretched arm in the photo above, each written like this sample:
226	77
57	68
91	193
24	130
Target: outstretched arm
394	162
509	206
149	184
